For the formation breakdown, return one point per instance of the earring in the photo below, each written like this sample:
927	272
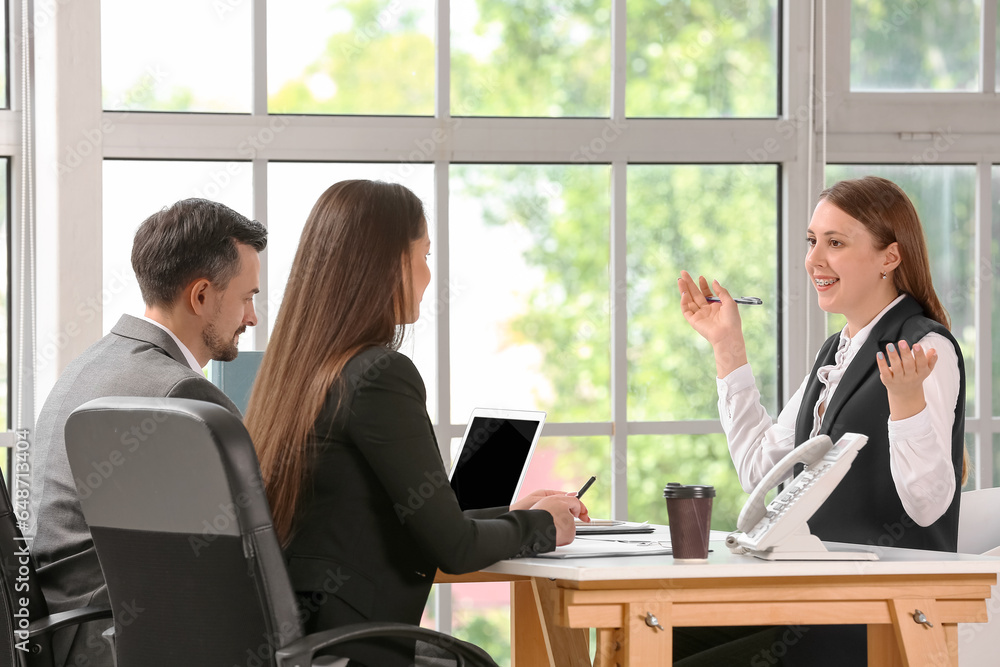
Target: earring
884	276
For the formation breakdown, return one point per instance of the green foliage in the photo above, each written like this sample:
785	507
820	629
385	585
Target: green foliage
550	59
915	45
488	629
695	59
379	65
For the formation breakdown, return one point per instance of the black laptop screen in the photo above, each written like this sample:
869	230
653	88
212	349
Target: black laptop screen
491	461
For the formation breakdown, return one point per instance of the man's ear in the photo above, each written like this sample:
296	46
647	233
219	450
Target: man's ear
196	296
892	257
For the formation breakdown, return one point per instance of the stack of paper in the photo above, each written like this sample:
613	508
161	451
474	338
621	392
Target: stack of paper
608	527
594	548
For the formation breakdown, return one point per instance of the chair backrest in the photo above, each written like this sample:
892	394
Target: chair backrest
172	492
979	521
18	583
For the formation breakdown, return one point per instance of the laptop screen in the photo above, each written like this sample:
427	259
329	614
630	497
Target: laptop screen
493	459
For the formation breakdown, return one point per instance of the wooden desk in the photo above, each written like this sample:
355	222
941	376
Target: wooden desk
555	602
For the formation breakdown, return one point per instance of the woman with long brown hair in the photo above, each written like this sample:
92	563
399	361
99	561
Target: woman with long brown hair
895	374
356	483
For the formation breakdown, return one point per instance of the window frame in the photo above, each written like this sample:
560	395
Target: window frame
813	128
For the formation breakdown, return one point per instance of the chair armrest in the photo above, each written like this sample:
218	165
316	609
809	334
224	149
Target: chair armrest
300	652
62	619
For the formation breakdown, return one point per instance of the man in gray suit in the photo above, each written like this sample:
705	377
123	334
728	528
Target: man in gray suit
197	267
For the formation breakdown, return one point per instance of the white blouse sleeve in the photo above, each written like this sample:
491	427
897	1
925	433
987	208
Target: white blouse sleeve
920	446
755	443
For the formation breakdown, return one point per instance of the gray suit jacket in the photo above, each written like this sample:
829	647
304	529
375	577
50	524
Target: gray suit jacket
135	359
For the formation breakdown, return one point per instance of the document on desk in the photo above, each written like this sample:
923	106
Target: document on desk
607	527
593	548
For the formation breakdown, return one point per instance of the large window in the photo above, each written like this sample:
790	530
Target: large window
573	158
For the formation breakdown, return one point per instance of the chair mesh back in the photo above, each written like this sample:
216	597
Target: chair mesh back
184	605
171	491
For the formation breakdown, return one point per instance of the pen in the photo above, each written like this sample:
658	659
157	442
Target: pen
748	300
586	486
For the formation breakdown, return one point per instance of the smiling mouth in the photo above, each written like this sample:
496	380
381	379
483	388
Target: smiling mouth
825	283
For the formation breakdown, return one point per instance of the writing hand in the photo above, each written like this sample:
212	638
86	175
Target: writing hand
527	501
565	510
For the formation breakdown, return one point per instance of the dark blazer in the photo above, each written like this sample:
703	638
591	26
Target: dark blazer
865	507
379	517
135	359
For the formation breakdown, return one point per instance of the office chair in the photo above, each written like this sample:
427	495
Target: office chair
26	629
183	531
979	521
979	533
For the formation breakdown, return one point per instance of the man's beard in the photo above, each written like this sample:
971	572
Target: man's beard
221	349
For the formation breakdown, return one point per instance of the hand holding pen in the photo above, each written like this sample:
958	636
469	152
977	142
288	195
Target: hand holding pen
715	316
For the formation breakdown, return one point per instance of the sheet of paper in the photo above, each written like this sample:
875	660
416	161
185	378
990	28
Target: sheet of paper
605	548
599	522
616	528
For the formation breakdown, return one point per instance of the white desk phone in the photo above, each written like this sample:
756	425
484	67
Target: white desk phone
778	531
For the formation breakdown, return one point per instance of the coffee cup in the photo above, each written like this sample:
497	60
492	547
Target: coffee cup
689	511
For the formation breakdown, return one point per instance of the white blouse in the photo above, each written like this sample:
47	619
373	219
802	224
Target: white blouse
919	446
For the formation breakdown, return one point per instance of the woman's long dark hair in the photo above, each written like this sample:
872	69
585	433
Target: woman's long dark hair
346	291
889	216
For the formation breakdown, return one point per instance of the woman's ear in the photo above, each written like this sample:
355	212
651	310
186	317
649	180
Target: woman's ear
891	257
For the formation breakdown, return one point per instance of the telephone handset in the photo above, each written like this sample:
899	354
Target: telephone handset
778	531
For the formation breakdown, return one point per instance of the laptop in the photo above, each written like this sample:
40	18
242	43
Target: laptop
496	449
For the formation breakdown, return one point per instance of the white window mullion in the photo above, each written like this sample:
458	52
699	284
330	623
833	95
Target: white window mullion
796	202
258	24
988	58
265	315
70	133
442	113
984	322
619	275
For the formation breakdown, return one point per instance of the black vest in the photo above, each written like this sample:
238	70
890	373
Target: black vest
865	508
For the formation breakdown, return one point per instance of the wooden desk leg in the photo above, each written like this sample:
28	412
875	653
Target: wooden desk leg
645	645
536	639
920	645
883	647
610	642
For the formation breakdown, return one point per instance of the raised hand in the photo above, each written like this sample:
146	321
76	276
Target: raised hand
718	323
903	372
